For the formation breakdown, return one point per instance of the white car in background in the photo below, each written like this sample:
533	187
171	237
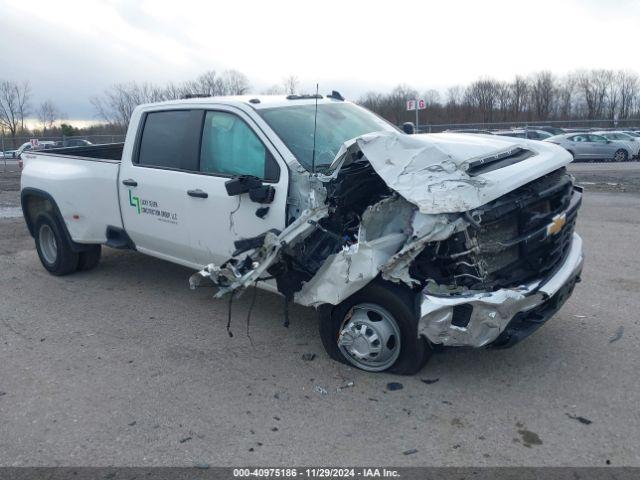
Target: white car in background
631	141
28	146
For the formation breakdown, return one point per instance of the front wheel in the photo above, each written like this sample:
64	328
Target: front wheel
376	330
620	155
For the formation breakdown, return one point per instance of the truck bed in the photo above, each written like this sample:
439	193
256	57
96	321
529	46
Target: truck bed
83	184
108	151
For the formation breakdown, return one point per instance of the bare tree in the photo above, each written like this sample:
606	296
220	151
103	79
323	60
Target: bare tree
565	97
234	83
482	97
592	85
504	100
374	101
14	106
542	92
117	103
519	93
628	82
291	85
47	115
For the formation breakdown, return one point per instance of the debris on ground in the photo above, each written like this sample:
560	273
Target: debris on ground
529	438
185	439
201	466
429	381
580	316
320	390
308	357
346	385
2	394
276	418
583	420
281	396
393	386
618	335
410	452
132	423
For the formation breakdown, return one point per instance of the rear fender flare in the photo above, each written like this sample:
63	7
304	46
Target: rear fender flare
29	193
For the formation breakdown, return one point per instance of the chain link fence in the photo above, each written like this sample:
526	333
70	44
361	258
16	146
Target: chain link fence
586	125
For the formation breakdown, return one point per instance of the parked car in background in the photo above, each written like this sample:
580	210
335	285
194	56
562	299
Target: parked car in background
633	134
531	134
469	130
630	140
548	129
589	146
28	146
73	142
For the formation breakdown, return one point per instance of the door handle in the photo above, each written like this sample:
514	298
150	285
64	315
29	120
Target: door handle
130	182
197	193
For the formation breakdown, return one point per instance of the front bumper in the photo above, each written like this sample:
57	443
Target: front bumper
504	316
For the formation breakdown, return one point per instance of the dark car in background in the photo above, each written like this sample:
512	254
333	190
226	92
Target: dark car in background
528	133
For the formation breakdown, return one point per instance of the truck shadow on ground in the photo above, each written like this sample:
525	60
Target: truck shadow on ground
268	337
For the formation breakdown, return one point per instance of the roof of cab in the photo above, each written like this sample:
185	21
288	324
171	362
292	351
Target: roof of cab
255	101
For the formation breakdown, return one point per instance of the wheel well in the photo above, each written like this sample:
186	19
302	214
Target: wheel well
34	202
33	205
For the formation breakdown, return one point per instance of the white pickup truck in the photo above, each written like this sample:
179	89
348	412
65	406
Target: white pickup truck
404	243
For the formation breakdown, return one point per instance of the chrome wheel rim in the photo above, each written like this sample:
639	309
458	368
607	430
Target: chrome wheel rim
48	244
369	337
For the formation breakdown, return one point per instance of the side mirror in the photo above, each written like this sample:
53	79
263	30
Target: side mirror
258	192
241	184
409	128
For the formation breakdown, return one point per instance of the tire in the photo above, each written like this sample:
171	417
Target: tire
53	247
621	155
379	311
90	258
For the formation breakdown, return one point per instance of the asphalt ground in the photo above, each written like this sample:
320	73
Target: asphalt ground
124	365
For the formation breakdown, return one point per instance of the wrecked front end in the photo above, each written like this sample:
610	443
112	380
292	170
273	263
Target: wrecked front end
481	230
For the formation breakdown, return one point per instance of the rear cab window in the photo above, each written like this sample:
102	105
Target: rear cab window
171	139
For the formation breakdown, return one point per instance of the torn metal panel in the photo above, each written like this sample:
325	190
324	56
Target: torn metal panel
229	277
384	229
426	228
431	170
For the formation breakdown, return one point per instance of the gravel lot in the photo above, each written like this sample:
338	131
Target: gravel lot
125	365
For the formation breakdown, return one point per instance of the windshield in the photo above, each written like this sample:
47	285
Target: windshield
337	123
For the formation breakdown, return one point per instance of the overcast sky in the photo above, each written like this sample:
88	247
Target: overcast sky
72	50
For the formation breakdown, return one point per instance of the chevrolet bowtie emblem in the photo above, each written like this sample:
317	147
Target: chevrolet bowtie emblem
556	224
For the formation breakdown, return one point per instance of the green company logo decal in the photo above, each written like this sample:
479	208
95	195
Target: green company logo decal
134	202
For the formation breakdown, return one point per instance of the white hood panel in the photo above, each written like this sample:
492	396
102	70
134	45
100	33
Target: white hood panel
429	170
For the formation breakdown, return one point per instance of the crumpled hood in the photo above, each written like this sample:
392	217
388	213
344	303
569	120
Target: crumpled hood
430	170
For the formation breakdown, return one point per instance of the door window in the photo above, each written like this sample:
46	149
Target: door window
597	139
170	139
230	147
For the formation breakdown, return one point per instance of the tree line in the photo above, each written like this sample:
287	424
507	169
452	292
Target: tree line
541	96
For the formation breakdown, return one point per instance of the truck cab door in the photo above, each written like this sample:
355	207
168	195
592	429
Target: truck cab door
231	146
153	185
